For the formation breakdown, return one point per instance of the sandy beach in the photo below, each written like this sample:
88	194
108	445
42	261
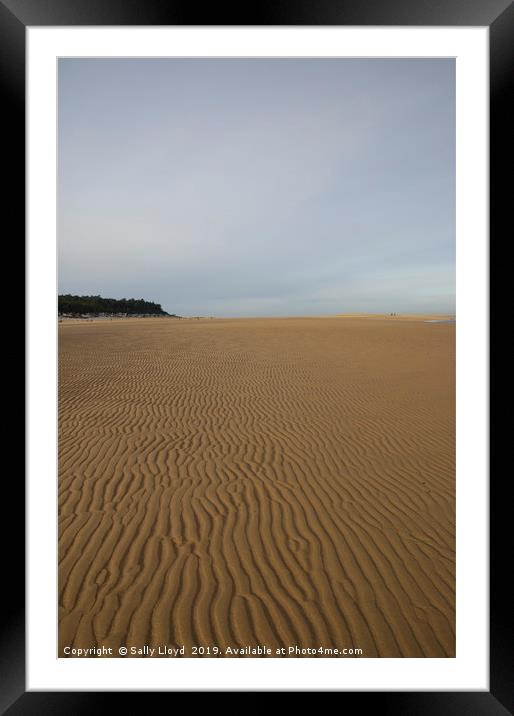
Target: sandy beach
229	483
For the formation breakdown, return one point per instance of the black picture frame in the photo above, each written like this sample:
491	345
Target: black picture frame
498	15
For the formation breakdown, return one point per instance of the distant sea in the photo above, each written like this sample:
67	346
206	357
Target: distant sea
440	320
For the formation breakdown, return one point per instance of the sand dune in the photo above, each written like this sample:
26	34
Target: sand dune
272	482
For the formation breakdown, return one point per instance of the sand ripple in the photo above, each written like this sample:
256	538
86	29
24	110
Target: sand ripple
266	481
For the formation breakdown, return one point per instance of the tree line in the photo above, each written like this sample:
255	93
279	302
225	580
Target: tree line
96	304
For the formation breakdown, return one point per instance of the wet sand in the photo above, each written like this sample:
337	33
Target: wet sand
241	482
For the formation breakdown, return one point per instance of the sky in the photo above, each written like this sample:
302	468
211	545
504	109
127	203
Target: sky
252	187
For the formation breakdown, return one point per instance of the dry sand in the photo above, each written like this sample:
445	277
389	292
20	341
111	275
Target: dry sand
250	482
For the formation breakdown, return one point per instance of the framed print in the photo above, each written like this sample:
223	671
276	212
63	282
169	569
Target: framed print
258	316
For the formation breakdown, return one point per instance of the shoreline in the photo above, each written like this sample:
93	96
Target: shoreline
413	317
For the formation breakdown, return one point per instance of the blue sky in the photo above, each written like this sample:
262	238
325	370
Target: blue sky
236	187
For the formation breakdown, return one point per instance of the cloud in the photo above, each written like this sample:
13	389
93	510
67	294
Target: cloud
271	185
